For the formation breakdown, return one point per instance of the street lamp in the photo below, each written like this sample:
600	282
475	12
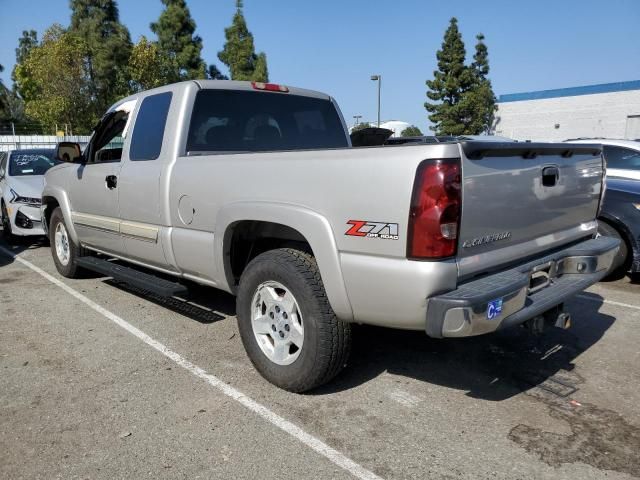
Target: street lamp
357	120
378	78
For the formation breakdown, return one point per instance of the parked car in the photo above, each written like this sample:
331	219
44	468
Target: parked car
255	189
21	181
622	156
620	218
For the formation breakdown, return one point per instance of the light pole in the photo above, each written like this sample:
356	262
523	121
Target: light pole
378	78
357	120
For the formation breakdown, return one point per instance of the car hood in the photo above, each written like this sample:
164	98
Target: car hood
28	185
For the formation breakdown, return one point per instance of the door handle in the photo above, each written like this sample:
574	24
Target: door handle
112	181
550	176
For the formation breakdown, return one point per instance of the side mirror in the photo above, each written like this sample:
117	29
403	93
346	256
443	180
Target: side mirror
68	152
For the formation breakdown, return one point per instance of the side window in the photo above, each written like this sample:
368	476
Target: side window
148	130
622	158
106	145
3	164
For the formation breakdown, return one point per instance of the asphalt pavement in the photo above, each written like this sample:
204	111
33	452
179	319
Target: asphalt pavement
101	381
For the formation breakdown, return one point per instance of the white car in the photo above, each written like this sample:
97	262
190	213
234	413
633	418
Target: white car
21	183
622	156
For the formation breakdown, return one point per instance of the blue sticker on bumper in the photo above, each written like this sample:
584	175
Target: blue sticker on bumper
494	309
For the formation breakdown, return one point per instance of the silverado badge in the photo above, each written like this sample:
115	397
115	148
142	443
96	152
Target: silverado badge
476	242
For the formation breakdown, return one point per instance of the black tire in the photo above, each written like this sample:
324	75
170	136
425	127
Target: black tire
7	231
621	262
71	269
327	340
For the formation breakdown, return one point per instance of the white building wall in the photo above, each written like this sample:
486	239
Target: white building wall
555	119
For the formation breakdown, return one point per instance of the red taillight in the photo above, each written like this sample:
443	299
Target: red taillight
434	217
270	87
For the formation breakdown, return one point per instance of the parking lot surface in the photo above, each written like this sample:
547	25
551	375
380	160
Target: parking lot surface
101	381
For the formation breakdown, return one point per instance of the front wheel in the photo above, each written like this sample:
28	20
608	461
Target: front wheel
290	333
65	252
7	230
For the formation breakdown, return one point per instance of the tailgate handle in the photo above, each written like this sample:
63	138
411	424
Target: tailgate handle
550	176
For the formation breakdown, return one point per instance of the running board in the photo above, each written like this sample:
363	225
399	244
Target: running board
132	277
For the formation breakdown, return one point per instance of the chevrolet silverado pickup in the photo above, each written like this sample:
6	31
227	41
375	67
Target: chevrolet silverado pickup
255	189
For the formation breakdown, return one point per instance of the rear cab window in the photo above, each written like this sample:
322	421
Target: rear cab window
247	121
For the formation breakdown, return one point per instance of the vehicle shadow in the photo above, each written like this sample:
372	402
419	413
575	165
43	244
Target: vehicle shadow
491	367
20	245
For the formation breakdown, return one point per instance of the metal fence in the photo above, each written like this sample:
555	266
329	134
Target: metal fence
18	142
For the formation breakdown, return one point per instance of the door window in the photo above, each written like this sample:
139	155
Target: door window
622	158
107	142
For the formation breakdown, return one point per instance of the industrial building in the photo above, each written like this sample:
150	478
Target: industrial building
610	110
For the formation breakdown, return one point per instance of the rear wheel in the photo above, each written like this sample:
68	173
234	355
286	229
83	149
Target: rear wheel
290	333
65	252
621	261
7	231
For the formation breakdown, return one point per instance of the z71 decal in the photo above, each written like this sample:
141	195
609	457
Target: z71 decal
363	228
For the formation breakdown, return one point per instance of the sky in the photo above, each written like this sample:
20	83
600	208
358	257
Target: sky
336	45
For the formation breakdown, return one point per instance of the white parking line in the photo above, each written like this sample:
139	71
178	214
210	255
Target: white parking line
299	434
608	302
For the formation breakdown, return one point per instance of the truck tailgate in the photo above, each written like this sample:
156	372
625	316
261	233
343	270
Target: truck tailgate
519	199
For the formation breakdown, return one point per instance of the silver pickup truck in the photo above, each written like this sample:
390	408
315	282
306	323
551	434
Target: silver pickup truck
255	189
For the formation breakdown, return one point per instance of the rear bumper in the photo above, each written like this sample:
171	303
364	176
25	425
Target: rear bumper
465	311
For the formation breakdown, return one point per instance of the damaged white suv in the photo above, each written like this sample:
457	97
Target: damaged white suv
21	182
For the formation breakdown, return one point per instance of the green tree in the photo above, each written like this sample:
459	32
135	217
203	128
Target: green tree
239	53
213	73
55	82
3	94
463	99
26	42
450	82
175	31
360	126
149	67
107	49
480	99
411	131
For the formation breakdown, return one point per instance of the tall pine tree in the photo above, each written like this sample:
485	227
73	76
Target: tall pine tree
463	99
480	98
450	82
176	39
108	46
239	52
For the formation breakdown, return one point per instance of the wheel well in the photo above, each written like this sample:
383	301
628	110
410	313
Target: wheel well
624	235
245	240
51	204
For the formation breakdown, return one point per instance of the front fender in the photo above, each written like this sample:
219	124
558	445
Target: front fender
60	196
314	227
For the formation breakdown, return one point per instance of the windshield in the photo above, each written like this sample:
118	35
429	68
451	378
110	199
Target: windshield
30	163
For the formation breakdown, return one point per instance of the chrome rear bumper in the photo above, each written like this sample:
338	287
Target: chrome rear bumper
513	296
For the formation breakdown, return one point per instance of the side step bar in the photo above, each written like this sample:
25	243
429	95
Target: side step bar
135	278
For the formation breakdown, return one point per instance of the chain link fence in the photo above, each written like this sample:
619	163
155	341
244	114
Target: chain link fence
20	142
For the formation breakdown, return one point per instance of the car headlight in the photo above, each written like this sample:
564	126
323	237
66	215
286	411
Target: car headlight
636	205
16	198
